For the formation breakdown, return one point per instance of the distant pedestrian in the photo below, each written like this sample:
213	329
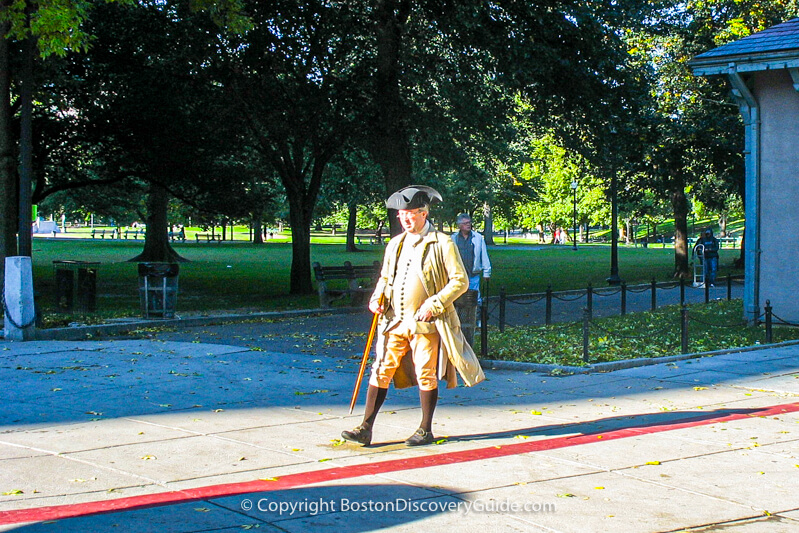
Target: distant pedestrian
707	247
474	254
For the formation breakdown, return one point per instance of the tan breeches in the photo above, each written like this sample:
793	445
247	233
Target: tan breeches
422	347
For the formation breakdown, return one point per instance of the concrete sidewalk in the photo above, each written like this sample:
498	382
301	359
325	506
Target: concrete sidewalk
171	434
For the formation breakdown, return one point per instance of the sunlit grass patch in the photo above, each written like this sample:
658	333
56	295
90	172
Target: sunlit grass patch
714	326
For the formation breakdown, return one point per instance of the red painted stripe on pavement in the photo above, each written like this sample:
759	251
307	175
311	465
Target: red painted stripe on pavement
334	474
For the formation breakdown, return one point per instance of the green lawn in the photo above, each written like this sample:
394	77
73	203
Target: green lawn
242	276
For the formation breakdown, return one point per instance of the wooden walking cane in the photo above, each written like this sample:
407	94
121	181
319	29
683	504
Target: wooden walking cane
369	339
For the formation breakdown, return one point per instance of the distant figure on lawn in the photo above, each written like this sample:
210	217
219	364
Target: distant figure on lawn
707	249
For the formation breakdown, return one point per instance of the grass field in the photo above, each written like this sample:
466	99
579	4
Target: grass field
242	276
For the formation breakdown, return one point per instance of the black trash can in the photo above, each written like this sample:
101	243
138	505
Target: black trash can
158	289
76	281
466	306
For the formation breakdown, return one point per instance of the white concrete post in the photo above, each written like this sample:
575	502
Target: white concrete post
20	314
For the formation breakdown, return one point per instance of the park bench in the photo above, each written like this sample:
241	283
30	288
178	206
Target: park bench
98	232
177	236
360	281
208	237
134	232
368	236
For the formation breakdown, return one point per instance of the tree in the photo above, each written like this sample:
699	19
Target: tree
694	135
51	27
550	173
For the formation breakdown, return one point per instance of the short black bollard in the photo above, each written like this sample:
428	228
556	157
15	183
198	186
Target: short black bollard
682	291
654	294
586	333
684	329
707	290
548	312
729	287
623	298
502	309
484	328
589	301
768	322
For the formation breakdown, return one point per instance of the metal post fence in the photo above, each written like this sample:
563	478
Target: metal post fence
684	329
484	328
589	298
707	289
623	298
502	309
586	332
729	287
654	295
548	313
682	291
768	321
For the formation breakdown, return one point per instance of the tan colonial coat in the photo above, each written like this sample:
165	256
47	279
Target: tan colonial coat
444	279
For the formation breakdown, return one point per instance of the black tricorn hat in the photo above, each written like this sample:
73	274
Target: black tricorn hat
413	197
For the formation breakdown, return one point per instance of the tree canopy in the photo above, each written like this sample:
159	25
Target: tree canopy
241	109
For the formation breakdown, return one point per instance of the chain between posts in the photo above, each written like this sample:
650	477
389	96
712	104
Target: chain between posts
549	296
686	318
11	319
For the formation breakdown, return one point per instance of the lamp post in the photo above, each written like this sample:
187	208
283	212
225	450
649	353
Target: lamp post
574	213
614	278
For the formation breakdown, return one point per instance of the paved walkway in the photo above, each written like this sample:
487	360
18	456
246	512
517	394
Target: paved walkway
236	426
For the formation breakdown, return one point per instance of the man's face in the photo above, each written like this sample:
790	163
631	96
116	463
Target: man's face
412	220
465	226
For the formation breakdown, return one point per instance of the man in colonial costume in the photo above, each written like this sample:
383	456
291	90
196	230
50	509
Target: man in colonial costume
419	335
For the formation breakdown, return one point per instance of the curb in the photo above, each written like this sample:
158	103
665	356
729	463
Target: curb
84	332
612	366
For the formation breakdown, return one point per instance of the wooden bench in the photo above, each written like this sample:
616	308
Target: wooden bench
208	237
96	232
369	236
134	232
371	239
177	236
360	281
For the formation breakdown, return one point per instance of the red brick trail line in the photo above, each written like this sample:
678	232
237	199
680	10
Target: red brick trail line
334	474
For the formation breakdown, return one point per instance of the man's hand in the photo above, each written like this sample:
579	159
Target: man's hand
425	313
376	307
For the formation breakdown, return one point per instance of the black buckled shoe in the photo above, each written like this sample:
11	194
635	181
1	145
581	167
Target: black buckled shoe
420	438
360	434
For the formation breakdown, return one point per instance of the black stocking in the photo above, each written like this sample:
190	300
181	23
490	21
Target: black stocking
428	399
374	401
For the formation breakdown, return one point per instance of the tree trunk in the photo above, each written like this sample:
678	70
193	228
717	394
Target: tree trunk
157	248
352	220
302	197
300	280
723	225
391	147
25	244
679	204
488	230
8	175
